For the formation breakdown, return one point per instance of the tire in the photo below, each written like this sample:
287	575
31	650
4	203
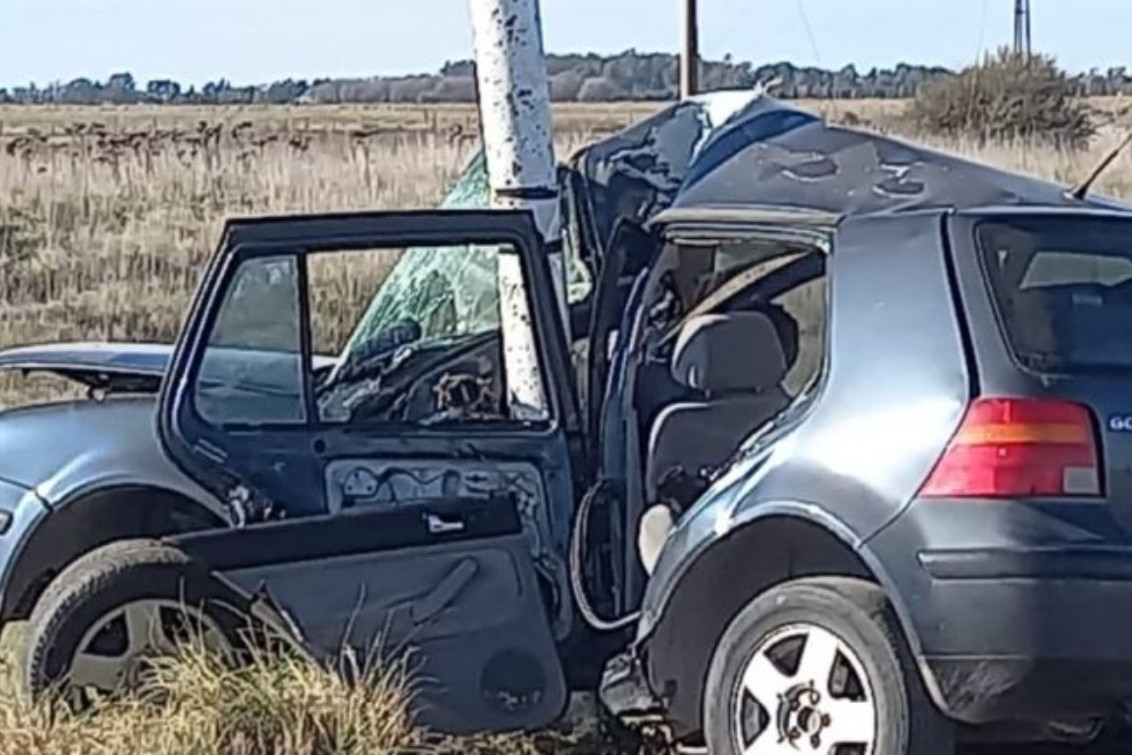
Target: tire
112	579
767	649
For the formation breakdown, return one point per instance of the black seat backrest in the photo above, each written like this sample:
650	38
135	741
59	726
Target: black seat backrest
736	364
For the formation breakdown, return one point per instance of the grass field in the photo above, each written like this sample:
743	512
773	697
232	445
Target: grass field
107	216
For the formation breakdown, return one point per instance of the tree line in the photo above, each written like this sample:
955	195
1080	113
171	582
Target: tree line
630	75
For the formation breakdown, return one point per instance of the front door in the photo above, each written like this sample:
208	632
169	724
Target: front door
344	383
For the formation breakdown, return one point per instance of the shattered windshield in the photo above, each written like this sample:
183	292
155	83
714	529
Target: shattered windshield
439	294
434	290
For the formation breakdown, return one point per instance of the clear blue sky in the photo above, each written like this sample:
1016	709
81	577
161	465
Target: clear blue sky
253	41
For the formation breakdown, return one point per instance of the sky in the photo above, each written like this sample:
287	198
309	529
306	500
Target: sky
256	41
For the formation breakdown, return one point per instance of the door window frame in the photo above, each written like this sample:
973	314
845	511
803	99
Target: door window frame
509	229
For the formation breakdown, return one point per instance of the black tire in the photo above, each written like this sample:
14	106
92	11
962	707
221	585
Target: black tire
856	613
109	578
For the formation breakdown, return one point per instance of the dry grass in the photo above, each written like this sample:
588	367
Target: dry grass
107	216
275	705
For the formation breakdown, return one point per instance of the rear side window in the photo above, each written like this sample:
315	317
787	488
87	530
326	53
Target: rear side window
1063	290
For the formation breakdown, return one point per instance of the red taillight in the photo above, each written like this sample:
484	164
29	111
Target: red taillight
1011	448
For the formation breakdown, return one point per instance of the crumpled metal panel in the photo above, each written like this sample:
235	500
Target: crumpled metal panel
777	156
743	149
640	171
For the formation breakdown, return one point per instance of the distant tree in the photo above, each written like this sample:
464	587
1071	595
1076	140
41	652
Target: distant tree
626	75
163	90
565	85
451	89
77	92
121	87
458	69
282	92
237	95
410	88
212	90
600	89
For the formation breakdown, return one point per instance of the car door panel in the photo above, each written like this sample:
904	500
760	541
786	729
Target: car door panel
444	541
190	439
445	585
387	480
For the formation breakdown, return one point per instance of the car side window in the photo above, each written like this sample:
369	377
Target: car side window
251	372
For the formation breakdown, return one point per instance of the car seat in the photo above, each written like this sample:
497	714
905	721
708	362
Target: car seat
733	364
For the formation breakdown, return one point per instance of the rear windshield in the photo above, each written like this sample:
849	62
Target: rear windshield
1063	289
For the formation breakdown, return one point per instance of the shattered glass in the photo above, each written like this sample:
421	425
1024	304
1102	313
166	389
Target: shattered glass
446	291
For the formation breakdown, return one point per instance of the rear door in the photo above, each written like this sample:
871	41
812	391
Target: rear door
346	384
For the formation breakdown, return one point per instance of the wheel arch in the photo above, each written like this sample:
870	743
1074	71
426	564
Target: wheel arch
713	586
91	519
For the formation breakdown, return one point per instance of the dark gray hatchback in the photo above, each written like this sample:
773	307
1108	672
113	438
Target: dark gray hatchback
835	455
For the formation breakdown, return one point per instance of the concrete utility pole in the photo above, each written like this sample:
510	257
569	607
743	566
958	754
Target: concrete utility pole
690	54
514	102
1022	44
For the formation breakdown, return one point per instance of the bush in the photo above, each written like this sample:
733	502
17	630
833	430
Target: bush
1006	98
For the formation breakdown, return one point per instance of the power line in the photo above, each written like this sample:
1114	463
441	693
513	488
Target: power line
809	30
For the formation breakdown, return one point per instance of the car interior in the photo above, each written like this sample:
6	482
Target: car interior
719	354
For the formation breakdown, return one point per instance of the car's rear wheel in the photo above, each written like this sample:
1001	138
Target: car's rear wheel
815	666
110	613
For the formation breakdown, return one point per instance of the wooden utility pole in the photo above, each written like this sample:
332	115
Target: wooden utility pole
690	55
1022	43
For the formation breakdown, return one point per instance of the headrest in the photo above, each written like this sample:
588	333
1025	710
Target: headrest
733	352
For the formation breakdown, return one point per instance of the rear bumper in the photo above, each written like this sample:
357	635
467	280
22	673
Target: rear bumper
1031	637
1030	621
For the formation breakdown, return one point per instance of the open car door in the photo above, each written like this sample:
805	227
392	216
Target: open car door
398	495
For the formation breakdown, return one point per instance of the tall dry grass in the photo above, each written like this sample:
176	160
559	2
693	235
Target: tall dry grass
108	216
193	704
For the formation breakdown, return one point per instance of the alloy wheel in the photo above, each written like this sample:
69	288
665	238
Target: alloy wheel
804	690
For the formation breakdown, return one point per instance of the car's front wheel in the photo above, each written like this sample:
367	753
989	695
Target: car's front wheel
819	666
113	611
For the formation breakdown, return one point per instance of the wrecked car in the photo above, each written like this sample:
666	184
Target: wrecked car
834	457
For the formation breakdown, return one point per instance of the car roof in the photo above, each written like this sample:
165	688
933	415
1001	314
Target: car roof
725	156
773	154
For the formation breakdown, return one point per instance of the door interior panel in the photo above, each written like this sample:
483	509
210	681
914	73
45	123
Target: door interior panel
437	542
447	586
393	484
